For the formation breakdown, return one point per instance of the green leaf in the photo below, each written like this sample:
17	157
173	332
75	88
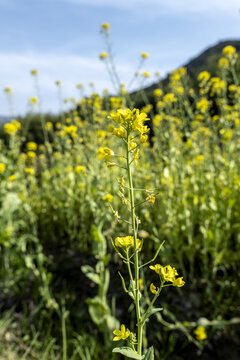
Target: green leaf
123	282
94	278
91	274
127	351
149	354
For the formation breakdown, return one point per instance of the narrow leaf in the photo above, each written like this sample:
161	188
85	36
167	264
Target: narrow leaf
127	351
123	282
149	354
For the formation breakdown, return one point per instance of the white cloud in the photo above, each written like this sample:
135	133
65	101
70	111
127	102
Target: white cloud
70	69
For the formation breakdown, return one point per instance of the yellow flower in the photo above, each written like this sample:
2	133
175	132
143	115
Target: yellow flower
127	241
120	132
104	153
34	72
232	88
223	63
105	26
199	159
136	157
32	146
122	334
130	120
108	197
146	74
204	76
150	198
31	154
103	55
157	92
8	89
179	282
200	333
49	126
2	168
143	139
153	289
58	83
12	177
202	105
33	100
78	169
157	268
29	171
157	119
79	86
169	98
144	55
228	51
141	287
12	128
168	273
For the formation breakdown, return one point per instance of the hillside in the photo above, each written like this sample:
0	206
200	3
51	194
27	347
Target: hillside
207	60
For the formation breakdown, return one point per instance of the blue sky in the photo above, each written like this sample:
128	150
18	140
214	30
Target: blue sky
61	39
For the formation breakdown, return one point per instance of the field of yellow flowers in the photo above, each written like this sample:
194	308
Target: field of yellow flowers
65	210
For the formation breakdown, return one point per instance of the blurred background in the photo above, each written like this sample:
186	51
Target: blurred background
65	66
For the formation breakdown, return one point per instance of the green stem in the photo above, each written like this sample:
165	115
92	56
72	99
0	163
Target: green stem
136	267
130	271
64	334
152	302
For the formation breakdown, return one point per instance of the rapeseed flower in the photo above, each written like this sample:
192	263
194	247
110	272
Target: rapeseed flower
127	242
103	55
2	168
122	334
200	333
105	26
49	126
80	169
168	273
204	76
34	72
8	89
157	92
108	197
144	55
104	153
229	51
146	74
12	128
153	289
29	171
130	120
32	146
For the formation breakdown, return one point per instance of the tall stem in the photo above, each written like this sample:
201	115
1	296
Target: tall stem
136	267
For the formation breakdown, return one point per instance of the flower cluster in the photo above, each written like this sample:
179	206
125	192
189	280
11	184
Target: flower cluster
104	153
129	121
127	242
168	274
12	127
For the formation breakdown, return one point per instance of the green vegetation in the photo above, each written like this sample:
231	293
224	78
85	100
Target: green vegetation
62	218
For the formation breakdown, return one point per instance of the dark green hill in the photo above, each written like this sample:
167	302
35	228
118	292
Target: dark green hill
207	60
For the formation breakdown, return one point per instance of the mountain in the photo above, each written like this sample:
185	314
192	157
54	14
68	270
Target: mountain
207	60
